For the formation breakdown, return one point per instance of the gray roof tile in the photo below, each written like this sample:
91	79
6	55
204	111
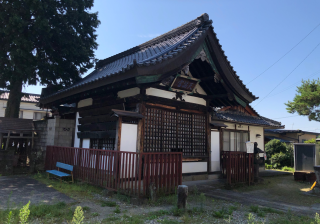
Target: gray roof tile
245	118
152	52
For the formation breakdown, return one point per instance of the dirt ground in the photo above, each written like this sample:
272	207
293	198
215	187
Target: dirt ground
278	200
282	189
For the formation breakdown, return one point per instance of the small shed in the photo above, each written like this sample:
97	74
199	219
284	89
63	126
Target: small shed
16	141
306	156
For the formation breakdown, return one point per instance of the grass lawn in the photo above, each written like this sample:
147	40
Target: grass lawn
282	188
117	209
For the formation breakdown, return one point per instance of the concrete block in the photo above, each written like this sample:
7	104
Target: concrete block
187	178
200	177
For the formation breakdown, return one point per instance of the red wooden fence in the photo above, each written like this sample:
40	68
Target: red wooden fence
131	173
237	167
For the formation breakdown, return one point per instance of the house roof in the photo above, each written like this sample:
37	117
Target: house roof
28	98
239	117
151	53
15	124
280	139
284	131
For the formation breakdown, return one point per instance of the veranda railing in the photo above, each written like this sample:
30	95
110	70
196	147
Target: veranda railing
130	172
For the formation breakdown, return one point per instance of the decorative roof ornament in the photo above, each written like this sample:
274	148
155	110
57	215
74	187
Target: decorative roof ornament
203	56
185	70
217	78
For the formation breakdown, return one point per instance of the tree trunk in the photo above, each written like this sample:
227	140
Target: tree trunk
13	104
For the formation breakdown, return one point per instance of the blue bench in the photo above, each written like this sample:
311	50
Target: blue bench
62	174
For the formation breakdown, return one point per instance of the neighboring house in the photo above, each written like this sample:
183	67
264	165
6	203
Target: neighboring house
177	92
28	108
289	136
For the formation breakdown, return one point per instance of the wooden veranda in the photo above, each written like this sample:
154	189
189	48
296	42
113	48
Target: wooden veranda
129	172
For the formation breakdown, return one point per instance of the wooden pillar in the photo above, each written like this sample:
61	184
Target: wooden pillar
208	128
32	141
141	128
8	139
119	133
1	140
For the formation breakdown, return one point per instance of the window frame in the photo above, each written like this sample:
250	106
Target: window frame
236	144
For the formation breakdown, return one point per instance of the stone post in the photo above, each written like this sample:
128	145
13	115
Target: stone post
182	196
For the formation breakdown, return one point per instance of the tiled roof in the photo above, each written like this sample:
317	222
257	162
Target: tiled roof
233	116
30	98
152	52
283	131
15	124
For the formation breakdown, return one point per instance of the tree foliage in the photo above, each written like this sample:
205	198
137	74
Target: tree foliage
50	42
307	100
279	154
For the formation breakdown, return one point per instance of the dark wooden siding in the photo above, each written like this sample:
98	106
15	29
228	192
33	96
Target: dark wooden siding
170	130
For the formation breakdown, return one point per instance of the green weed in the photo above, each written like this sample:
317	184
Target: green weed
117	210
254	208
78	216
177	211
94	214
86	209
156	214
24	214
108	204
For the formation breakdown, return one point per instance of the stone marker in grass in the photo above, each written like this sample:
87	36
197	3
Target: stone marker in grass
182	196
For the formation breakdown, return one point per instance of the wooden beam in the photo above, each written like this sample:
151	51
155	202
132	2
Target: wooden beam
119	133
24	137
192	111
160	105
208	128
8	139
1	140
142	111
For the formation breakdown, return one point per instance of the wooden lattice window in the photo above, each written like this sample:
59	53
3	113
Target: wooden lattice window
102	143
169	131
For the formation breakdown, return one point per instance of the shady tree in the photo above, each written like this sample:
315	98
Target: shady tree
48	42
307	100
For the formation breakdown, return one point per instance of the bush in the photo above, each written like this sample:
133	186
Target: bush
279	154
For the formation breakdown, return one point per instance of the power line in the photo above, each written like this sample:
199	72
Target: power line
293	85
289	74
286	117
284	54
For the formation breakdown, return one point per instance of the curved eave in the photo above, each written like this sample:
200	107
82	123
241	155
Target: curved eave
175	59
227	70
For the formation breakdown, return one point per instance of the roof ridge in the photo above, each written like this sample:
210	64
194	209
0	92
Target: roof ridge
7	91
198	22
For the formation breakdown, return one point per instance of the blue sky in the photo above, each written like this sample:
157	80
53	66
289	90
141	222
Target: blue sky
253	34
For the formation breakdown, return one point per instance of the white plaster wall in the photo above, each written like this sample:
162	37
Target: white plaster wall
254	130
160	93
86	143
129	135
129	92
306	137
51	130
27	108
76	139
85	102
194	167
2	109
215	151
199	90
192	99
171	95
